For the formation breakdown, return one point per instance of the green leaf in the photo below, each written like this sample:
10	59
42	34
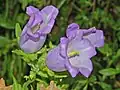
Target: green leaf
107	50
21	18
117	55
92	79
24	3
79	86
16	86
17	31
60	76
7	23
86	86
25	85
4	41
51	45
117	89
49	72
105	86
109	71
27	57
61	4
38	86
32	75
42	74
41	81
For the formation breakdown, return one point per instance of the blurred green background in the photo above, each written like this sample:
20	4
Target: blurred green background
30	69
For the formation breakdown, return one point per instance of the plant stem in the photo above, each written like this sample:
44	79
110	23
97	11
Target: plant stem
61	4
94	5
77	8
6	8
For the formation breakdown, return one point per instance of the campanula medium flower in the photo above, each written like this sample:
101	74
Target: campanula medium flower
39	25
75	51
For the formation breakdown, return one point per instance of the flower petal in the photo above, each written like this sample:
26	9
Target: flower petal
50	12
72	30
88	31
72	70
46	29
34	33
83	46
48	15
31	10
37	19
63	46
31	20
96	37
32	36
30	46
83	63
63	52
54	61
58	63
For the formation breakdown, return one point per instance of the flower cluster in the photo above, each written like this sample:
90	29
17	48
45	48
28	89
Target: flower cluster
74	51
39	25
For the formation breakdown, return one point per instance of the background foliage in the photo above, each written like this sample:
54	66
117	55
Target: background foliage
17	67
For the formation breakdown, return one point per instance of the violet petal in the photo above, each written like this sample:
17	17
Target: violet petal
72	70
50	11
31	46
63	46
54	60
96	37
83	63
72	30
83	46
31	10
35	31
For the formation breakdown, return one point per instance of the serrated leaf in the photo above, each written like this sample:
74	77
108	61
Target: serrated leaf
32	75
49	72
42	74
27	57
